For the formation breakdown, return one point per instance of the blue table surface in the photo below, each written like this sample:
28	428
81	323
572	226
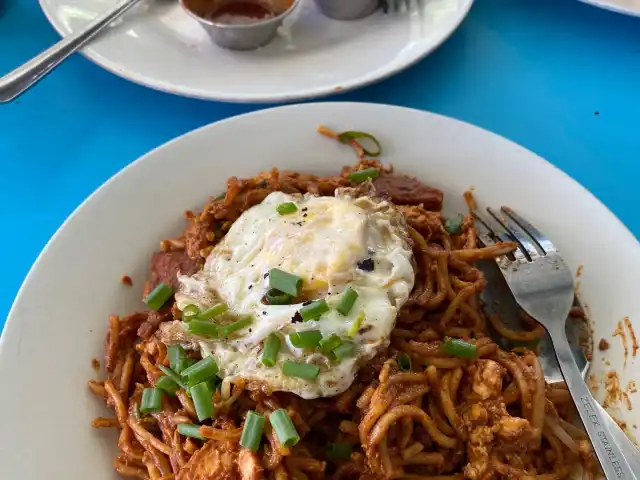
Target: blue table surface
557	76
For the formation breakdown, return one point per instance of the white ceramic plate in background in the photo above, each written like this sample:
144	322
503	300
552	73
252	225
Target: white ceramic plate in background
627	7
158	45
58	322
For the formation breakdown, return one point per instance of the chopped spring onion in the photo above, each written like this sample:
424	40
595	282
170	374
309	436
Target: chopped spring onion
220	197
271	349
305	371
226	330
190	430
203	328
362	175
177	358
201	371
158	296
309	339
276	297
202	400
357	323
460	348
173	376
339	451
353	136
330	343
314	310
287	208
453	226
189	312
212	312
347	300
284	428
252	431
168	385
404	361
151	400
285	282
347	349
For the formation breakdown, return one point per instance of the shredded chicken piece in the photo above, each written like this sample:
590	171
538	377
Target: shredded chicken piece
210	463
249	465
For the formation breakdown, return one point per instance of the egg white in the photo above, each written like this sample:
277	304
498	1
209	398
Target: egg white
322	242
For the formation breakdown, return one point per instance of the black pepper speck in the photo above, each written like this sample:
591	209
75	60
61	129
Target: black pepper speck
366	265
297	318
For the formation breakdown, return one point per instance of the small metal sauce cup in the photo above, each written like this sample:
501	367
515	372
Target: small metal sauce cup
244	36
347	9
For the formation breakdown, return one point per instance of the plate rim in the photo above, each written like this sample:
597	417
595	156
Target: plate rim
607	5
182	91
10	322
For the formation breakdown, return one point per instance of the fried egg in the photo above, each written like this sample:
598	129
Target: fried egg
331	243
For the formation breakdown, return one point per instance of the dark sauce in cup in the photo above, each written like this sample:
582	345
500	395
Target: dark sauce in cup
241	12
232	12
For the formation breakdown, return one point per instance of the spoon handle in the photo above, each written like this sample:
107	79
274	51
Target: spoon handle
22	78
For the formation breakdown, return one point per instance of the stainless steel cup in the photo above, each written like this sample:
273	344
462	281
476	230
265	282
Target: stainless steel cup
245	36
347	9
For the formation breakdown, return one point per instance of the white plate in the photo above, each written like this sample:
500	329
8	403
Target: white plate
627	7
58	322
161	47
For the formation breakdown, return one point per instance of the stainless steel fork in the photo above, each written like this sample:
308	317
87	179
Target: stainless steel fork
400	5
542	284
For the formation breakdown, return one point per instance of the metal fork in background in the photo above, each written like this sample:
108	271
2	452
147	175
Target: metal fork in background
395	6
22	78
542	284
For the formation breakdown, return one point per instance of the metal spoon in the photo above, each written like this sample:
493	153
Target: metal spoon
22	78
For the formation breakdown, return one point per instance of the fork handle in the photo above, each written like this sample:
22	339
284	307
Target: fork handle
613	462
24	77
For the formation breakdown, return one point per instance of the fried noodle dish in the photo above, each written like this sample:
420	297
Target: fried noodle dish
307	327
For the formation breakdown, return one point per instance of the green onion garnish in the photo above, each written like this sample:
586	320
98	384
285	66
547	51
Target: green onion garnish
309	339
189	312
226	330
305	371
158	296
362	175
350	136
285	282
276	297
284	428
330	343
314	310
347	300
212	312
271	349
190	430
252	431
151	400
202	400
287	208
339	451
173	376
453	226
201	371
168	385
177	358
203	328
347	349
355	326
459	348
404	361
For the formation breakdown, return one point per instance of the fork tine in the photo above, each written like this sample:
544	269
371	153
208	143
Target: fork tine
543	242
526	244
484	232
